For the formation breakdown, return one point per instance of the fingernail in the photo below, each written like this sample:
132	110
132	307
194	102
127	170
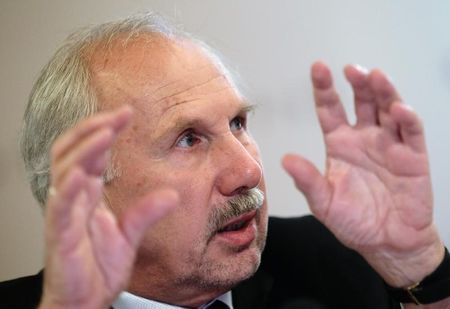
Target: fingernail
361	69
408	107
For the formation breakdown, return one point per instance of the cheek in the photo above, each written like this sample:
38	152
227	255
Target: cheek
195	194
140	175
182	233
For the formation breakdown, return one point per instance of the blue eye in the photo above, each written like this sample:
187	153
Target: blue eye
188	140
238	123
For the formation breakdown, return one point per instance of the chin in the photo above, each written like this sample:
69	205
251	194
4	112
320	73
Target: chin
218	275
242	263
222	269
226	275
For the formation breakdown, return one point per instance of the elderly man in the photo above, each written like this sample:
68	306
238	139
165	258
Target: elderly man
160	191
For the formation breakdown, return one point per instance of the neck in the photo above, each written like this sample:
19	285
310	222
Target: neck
160	287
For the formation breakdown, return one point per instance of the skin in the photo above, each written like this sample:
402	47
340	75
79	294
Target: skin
385	171
375	194
187	128
188	125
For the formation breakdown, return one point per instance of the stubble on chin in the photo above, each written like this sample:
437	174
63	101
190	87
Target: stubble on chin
222	274
232	265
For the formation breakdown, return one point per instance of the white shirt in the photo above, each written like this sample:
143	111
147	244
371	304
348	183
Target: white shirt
129	301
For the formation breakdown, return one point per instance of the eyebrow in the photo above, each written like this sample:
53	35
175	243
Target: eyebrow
247	107
184	123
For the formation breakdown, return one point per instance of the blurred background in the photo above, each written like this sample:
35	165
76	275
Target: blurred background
272	45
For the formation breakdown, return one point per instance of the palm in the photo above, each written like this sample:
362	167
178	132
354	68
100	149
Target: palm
375	195
377	183
90	252
94	259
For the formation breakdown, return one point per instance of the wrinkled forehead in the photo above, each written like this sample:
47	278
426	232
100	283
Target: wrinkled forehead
152	68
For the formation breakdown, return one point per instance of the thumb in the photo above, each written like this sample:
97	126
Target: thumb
148	211
310	182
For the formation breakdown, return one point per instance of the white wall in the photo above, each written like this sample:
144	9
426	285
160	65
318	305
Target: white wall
272	44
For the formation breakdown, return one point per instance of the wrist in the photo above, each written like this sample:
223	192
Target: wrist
432	289
404	270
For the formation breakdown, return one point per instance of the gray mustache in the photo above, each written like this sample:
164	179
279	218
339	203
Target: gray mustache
234	207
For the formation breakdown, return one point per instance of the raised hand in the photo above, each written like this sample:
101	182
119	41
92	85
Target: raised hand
375	194
90	252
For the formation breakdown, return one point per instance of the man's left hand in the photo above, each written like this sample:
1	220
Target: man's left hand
375	194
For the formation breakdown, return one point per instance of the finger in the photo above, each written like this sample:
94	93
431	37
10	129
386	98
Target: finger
384	90
309	181
385	96
330	111
94	190
94	194
90	155
365	103
151	208
115	120
60	203
411	128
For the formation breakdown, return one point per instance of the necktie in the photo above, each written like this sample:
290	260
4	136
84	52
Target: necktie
218	305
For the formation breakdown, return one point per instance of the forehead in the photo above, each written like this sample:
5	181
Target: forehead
155	70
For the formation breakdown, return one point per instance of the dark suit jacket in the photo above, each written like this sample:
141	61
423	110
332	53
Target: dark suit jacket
303	266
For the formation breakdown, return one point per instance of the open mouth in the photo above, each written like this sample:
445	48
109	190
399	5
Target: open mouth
240	232
239	223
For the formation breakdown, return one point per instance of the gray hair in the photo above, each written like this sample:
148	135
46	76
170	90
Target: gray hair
63	95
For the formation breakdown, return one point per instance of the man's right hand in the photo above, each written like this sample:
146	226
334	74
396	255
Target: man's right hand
89	252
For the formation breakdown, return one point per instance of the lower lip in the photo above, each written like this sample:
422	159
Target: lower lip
240	238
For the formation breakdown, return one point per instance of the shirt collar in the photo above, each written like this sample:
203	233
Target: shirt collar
127	300
225	298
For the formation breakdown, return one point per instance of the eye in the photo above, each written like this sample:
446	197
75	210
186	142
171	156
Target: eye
188	140
237	123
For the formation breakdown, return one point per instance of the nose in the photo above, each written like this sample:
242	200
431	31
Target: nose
238	167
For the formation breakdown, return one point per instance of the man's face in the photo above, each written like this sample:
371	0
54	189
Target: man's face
188	133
